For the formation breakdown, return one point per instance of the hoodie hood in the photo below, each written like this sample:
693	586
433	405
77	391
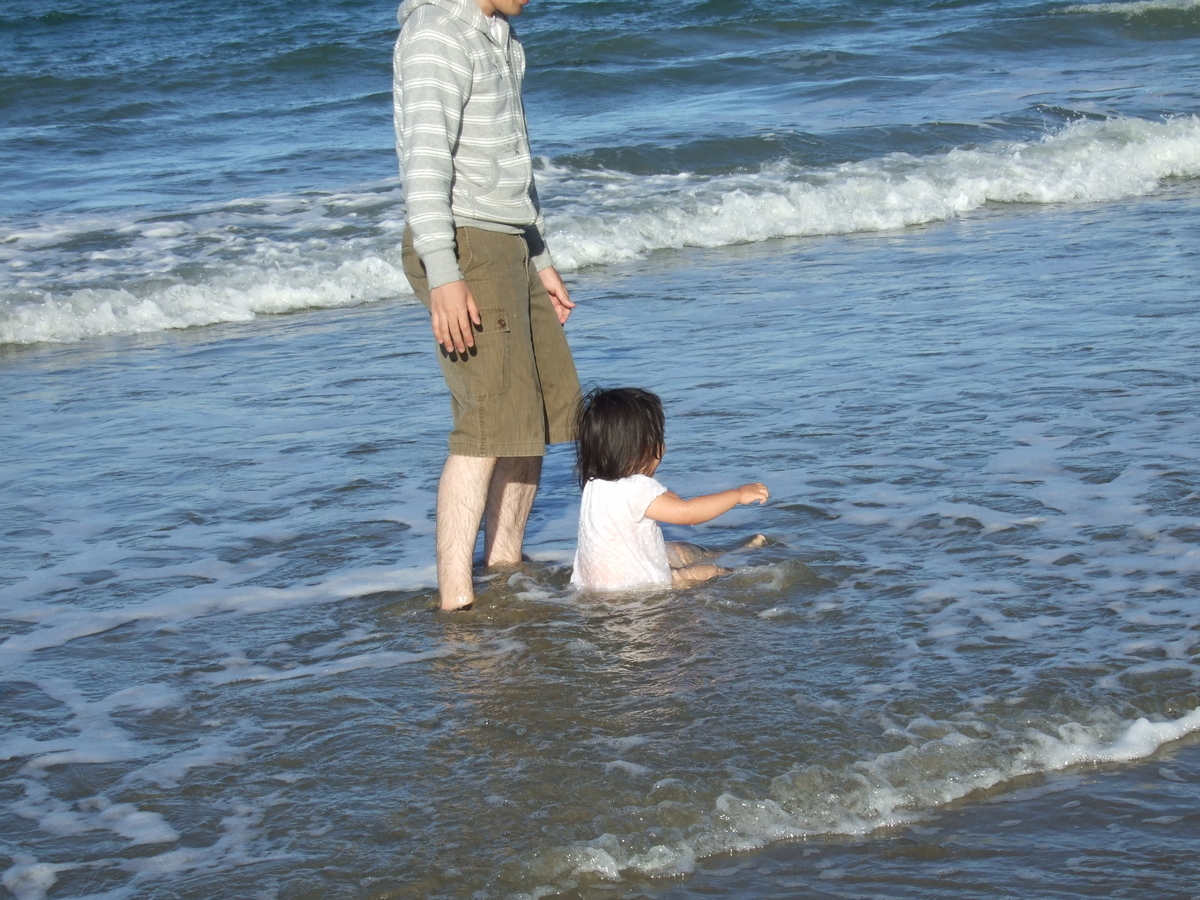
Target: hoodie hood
465	10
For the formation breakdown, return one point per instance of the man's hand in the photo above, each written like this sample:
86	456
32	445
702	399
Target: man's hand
558	293
452	311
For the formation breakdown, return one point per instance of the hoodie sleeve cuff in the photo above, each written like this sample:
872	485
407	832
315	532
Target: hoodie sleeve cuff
539	253
441	267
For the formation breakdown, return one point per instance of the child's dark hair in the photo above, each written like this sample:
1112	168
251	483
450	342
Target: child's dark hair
621	431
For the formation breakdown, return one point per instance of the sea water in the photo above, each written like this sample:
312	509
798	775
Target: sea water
927	269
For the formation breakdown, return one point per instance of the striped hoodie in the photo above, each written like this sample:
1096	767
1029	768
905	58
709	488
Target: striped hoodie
460	131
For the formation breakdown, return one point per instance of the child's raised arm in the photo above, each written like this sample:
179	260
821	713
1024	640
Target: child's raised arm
674	510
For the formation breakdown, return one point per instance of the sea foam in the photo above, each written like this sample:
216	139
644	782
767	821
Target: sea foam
892	789
1135	9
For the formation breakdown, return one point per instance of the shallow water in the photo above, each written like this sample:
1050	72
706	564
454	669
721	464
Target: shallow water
984	571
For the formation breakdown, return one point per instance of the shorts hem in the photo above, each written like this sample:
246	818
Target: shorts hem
472	449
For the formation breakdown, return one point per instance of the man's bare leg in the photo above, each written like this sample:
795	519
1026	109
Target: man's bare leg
462	496
510	497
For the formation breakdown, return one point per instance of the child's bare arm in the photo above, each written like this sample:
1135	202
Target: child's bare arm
674	510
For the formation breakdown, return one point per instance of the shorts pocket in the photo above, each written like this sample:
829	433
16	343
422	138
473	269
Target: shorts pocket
483	371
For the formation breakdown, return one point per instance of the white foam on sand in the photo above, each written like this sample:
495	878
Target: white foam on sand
28	879
89	734
58	624
96	738
243	670
97	731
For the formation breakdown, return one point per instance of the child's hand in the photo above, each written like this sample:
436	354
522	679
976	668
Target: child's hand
753	493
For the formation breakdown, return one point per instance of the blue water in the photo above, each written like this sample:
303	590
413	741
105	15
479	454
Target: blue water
927	269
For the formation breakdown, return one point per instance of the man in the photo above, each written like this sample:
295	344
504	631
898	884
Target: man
475	255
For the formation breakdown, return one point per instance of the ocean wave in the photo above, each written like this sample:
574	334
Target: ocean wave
609	216
65	281
97	312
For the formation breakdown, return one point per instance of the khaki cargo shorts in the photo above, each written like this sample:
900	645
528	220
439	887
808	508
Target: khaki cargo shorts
516	390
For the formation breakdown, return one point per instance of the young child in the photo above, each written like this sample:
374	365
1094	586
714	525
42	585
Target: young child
619	445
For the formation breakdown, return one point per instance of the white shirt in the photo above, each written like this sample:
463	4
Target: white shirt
619	548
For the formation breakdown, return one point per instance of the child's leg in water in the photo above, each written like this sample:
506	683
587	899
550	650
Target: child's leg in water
700	572
688	561
681	553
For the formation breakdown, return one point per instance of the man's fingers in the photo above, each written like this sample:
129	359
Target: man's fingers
562	305
560	298
453	312
447	333
441	333
563	312
468	317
